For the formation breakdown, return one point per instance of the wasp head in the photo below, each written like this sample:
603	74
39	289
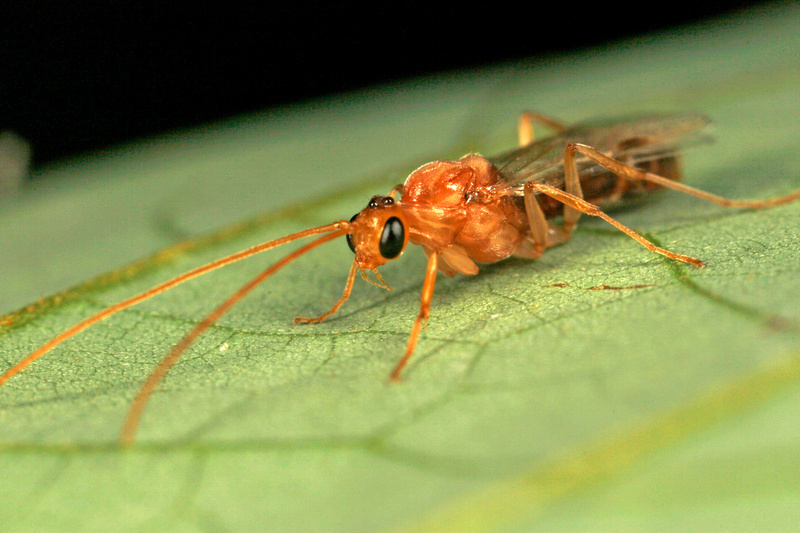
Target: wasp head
379	233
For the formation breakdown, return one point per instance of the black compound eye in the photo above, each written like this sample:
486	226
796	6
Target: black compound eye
392	238
349	236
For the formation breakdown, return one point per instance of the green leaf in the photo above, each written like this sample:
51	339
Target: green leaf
536	400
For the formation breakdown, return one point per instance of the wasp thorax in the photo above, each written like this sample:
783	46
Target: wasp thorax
379	232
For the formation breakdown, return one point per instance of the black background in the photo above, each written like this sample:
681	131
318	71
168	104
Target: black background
85	75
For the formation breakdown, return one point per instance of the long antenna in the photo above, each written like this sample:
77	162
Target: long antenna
158	289
139	403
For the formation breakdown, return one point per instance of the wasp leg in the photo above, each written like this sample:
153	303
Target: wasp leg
543	234
347	289
539	227
636	174
396	189
582	206
424	313
526	121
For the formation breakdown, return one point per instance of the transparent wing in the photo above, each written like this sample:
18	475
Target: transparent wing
634	140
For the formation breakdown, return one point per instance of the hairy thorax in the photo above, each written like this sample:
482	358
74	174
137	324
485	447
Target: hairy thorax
462	210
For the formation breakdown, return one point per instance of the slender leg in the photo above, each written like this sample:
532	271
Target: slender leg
525	125
347	289
396	189
424	313
536	219
538	223
632	173
582	206
575	205
573	186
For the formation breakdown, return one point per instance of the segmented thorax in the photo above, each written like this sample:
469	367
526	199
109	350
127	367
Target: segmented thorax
462	210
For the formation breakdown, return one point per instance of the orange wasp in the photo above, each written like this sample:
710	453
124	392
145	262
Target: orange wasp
474	210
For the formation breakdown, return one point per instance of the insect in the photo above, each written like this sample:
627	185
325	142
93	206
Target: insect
471	211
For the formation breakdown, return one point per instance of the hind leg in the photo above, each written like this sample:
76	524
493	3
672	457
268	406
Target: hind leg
582	206
636	174
526	121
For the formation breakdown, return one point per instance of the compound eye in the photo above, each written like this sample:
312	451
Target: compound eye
392	238
349	236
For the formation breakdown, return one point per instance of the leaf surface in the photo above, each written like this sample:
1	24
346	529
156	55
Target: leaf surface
601	387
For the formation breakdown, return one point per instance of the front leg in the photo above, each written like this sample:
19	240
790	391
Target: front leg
347	289
424	313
